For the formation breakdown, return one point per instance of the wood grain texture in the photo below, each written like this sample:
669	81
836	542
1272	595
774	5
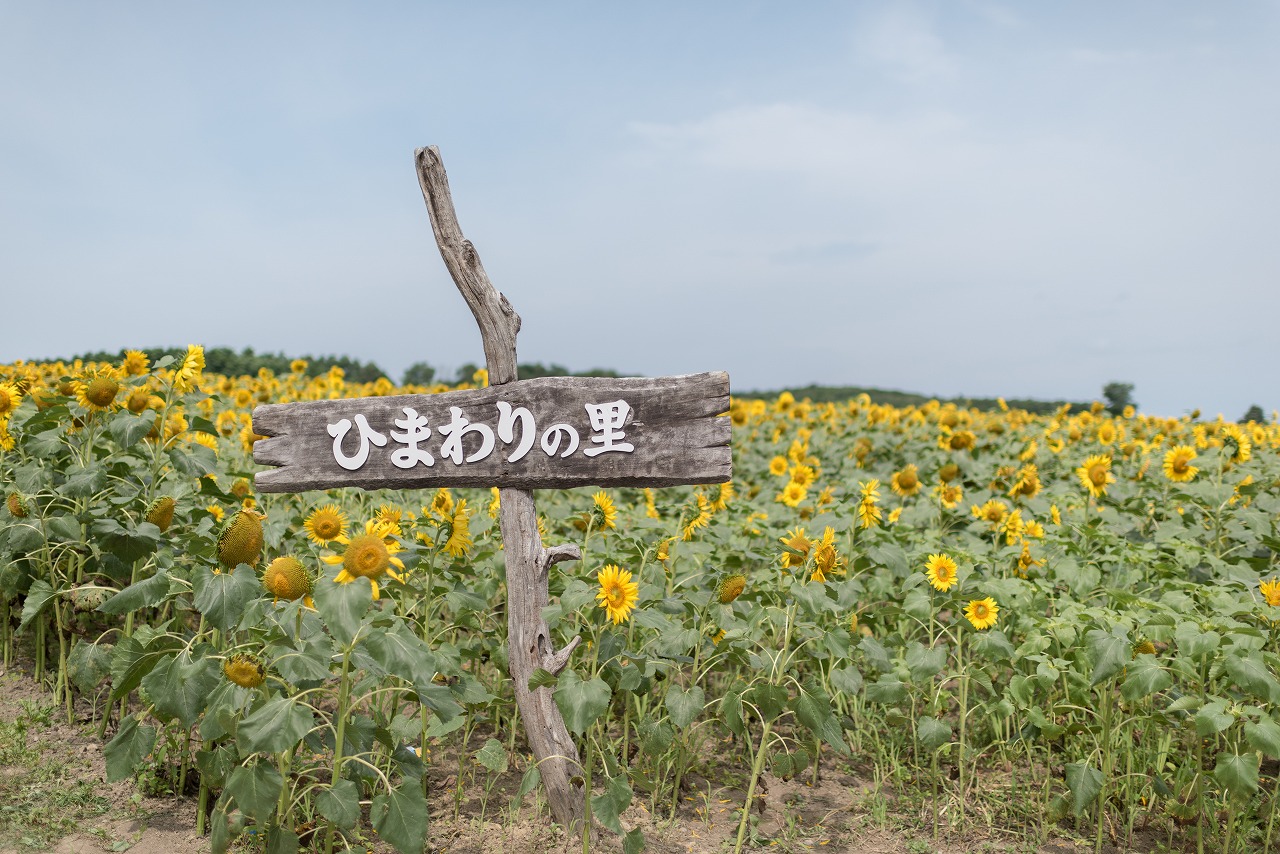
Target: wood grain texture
674	425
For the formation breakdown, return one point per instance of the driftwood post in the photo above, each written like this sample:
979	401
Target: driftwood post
520	435
529	642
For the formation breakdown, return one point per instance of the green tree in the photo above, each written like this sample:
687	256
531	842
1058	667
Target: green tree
1254	413
419	373
1118	396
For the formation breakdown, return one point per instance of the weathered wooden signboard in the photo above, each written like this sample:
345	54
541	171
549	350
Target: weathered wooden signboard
552	432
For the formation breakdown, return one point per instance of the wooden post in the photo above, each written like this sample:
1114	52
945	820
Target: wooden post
528	562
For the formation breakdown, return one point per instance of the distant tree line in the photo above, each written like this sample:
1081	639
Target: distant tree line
226	361
838	394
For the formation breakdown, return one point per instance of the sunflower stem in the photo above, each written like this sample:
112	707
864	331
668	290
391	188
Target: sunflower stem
344	697
757	765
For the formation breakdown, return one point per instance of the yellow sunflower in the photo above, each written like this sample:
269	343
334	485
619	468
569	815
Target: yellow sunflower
1096	474
188	373
982	612
778	466
135	363
459	542
949	495
1177	463
10	397
906	482
325	523
604	513
869	513
792	494
826	560
797	548
98	388
618	593
369	555
1270	591
941	571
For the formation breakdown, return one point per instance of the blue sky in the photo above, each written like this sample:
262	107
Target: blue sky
954	198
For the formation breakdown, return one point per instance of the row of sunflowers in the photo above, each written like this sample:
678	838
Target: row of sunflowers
1083	602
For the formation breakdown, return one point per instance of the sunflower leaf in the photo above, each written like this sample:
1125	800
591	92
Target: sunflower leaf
256	789
685	705
222	596
343	606
340	803
1085	783
400	817
277	725
1237	774
581	703
129	747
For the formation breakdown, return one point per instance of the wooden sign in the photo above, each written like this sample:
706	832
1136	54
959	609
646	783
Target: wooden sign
551	432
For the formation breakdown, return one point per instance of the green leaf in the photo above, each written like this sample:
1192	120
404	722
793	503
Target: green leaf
128	429
1237	774
1264	736
83	482
493	756
340	803
64	528
847	680
580	702
813	709
1146	677
1085	783
1251	674
126	751
181	687
404	654
770	700
993	644
275	726
194	460
633	842
89	664
684	706
131	660
886	690
343	606
925	663
932	733
38	597
256	789
541	678
608	805
222	596
282	840
731	712
143	594
1110	654
400	817
1213	718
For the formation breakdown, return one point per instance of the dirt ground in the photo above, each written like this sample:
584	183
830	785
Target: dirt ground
841	813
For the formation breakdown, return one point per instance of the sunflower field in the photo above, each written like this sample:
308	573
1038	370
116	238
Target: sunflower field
1068	620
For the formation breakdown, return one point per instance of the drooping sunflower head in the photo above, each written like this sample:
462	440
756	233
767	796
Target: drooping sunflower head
949	472
731	588
941	571
604	514
160	512
1236	444
18	506
618	593
188	373
245	670
459	543
325	524
98	388
287	578
949	495
241	539
1144	647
